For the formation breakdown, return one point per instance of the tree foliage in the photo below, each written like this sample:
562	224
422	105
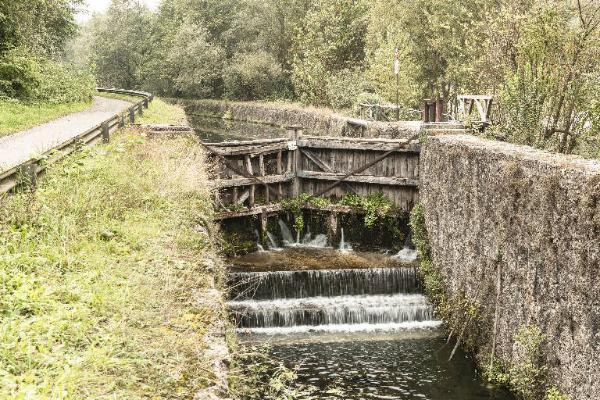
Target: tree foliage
33	34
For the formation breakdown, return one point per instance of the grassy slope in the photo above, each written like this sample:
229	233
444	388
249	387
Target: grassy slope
99	267
161	112
15	117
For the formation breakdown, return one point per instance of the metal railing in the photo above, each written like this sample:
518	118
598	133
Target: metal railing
30	169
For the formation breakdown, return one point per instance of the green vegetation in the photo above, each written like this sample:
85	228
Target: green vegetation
433	280
16	116
256	376
100	269
538	57
35	85
376	206
161	112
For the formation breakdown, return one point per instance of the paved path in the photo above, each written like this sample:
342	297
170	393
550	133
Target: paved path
22	146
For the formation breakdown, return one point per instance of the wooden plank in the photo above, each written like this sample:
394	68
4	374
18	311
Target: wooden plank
243	197
275	208
269	179
279	163
377	180
250	172
271	208
361	144
251	150
313	157
247	142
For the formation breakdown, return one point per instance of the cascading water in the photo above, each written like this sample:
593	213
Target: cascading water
345	247
382	298
354	333
318	242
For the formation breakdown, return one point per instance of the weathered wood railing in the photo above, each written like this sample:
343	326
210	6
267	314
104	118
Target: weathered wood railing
253	176
29	170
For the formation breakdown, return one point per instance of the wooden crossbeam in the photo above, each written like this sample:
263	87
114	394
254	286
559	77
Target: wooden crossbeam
233	167
324	167
363	168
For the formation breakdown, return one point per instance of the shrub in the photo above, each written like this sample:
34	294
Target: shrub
41	80
344	87
253	76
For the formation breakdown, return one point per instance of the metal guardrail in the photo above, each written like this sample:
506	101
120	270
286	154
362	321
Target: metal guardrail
30	169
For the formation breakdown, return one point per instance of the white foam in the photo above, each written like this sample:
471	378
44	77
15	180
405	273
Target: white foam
345	328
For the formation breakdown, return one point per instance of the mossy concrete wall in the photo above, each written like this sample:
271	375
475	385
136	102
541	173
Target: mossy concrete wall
315	121
533	218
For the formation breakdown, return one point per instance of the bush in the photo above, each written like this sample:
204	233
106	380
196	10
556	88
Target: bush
253	76
41	80
344	87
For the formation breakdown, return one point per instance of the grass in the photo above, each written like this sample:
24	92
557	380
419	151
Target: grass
16	116
100	271
161	112
118	96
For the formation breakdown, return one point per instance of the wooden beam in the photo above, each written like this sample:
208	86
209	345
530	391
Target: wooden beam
247	142
324	167
251	150
375	180
356	171
318	162
275	208
400	146
271	208
250	172
237	182
243	197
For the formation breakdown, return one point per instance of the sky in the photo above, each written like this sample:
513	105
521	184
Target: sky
94	6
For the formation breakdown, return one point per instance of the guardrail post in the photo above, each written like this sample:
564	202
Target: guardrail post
28	175
105	132
145	103
131	115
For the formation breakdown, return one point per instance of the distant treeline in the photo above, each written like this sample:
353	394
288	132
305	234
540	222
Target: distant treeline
539	58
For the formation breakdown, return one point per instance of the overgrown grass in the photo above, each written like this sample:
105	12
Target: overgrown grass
161	112
16	116
118	96
100	274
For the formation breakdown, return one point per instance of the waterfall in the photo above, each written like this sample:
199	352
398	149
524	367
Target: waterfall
259	246
273	246
344	247
342	300
286	234
319	283
319	241
407	254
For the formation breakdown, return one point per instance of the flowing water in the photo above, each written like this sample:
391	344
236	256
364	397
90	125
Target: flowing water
354	333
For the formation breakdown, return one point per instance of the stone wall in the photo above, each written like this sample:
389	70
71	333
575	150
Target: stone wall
533	218
315	121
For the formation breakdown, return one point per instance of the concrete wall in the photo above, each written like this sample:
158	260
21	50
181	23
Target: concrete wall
540	214
317	122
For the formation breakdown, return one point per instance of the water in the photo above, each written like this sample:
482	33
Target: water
322	283
354	333
345	247
215	130
395	367
318	242
406	255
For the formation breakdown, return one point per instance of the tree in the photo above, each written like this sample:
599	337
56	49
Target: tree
332	40
41	26
121	43
195	64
